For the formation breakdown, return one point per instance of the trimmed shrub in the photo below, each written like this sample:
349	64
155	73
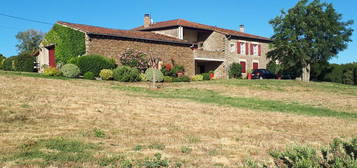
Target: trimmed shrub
89	75
197	78
143	77
149	73
168	79
70	70
52	71
95	63
73	60
181	79
106	74
235	70
126	74
9	64
206	76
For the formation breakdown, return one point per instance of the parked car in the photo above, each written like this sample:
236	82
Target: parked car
262	74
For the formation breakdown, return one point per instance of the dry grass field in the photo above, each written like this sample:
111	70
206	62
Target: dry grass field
48	122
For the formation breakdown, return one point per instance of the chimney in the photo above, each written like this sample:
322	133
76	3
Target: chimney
147	20
241	28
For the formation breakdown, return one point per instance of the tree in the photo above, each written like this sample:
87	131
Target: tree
2	59
308	33
29	40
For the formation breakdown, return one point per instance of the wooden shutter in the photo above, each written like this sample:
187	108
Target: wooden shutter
243	66
251	49
238	47
246	48
259	50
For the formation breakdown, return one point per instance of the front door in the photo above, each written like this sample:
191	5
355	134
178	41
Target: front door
52	58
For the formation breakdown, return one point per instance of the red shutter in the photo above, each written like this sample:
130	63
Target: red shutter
243	66
251	49
259	50
246	48
255	66
238	47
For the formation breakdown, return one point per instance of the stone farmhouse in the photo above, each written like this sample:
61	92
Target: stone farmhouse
199	48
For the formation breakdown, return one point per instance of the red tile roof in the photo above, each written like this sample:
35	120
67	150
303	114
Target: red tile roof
185	23
123	33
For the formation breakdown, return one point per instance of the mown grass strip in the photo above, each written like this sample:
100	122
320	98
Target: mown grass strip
33	74
208	96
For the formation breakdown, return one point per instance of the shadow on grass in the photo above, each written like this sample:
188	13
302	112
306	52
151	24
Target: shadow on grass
208	96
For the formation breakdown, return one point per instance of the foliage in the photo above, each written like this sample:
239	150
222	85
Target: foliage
29	41
89	75
155	162
206	76
149	73
235	70
168	79
168	70
338	154
70	70
2	59
52	71
177	68
99	133
95	63
73	60
157	146
126	74
308	33
185	149
106	74
24	63
274	67
69	42
181	79
339	73
134	59
197	78
143	77
9	64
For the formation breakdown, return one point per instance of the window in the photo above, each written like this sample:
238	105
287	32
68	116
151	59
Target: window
242	48
255	49
232	47
255	65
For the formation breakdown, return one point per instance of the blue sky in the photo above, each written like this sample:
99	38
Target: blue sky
128	14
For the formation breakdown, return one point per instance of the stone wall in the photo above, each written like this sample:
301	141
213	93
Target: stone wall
249	59
113	48
214	42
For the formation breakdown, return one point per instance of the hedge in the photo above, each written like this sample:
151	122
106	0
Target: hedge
24	63
95	63
69	43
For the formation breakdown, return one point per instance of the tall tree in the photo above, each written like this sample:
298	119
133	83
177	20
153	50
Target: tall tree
308	33
29	40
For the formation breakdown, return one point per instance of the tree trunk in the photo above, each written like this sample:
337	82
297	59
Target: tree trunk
305	77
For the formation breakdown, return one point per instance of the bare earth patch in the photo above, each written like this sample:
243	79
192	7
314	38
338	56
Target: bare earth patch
34	108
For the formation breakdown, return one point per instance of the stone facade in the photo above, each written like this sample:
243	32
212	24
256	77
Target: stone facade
113	48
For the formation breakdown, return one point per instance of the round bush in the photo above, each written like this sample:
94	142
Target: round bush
197	78
150	75
89	75
235	70
168	79
126	74
206	76
52	71
70	70
95	63
143	77
106	74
